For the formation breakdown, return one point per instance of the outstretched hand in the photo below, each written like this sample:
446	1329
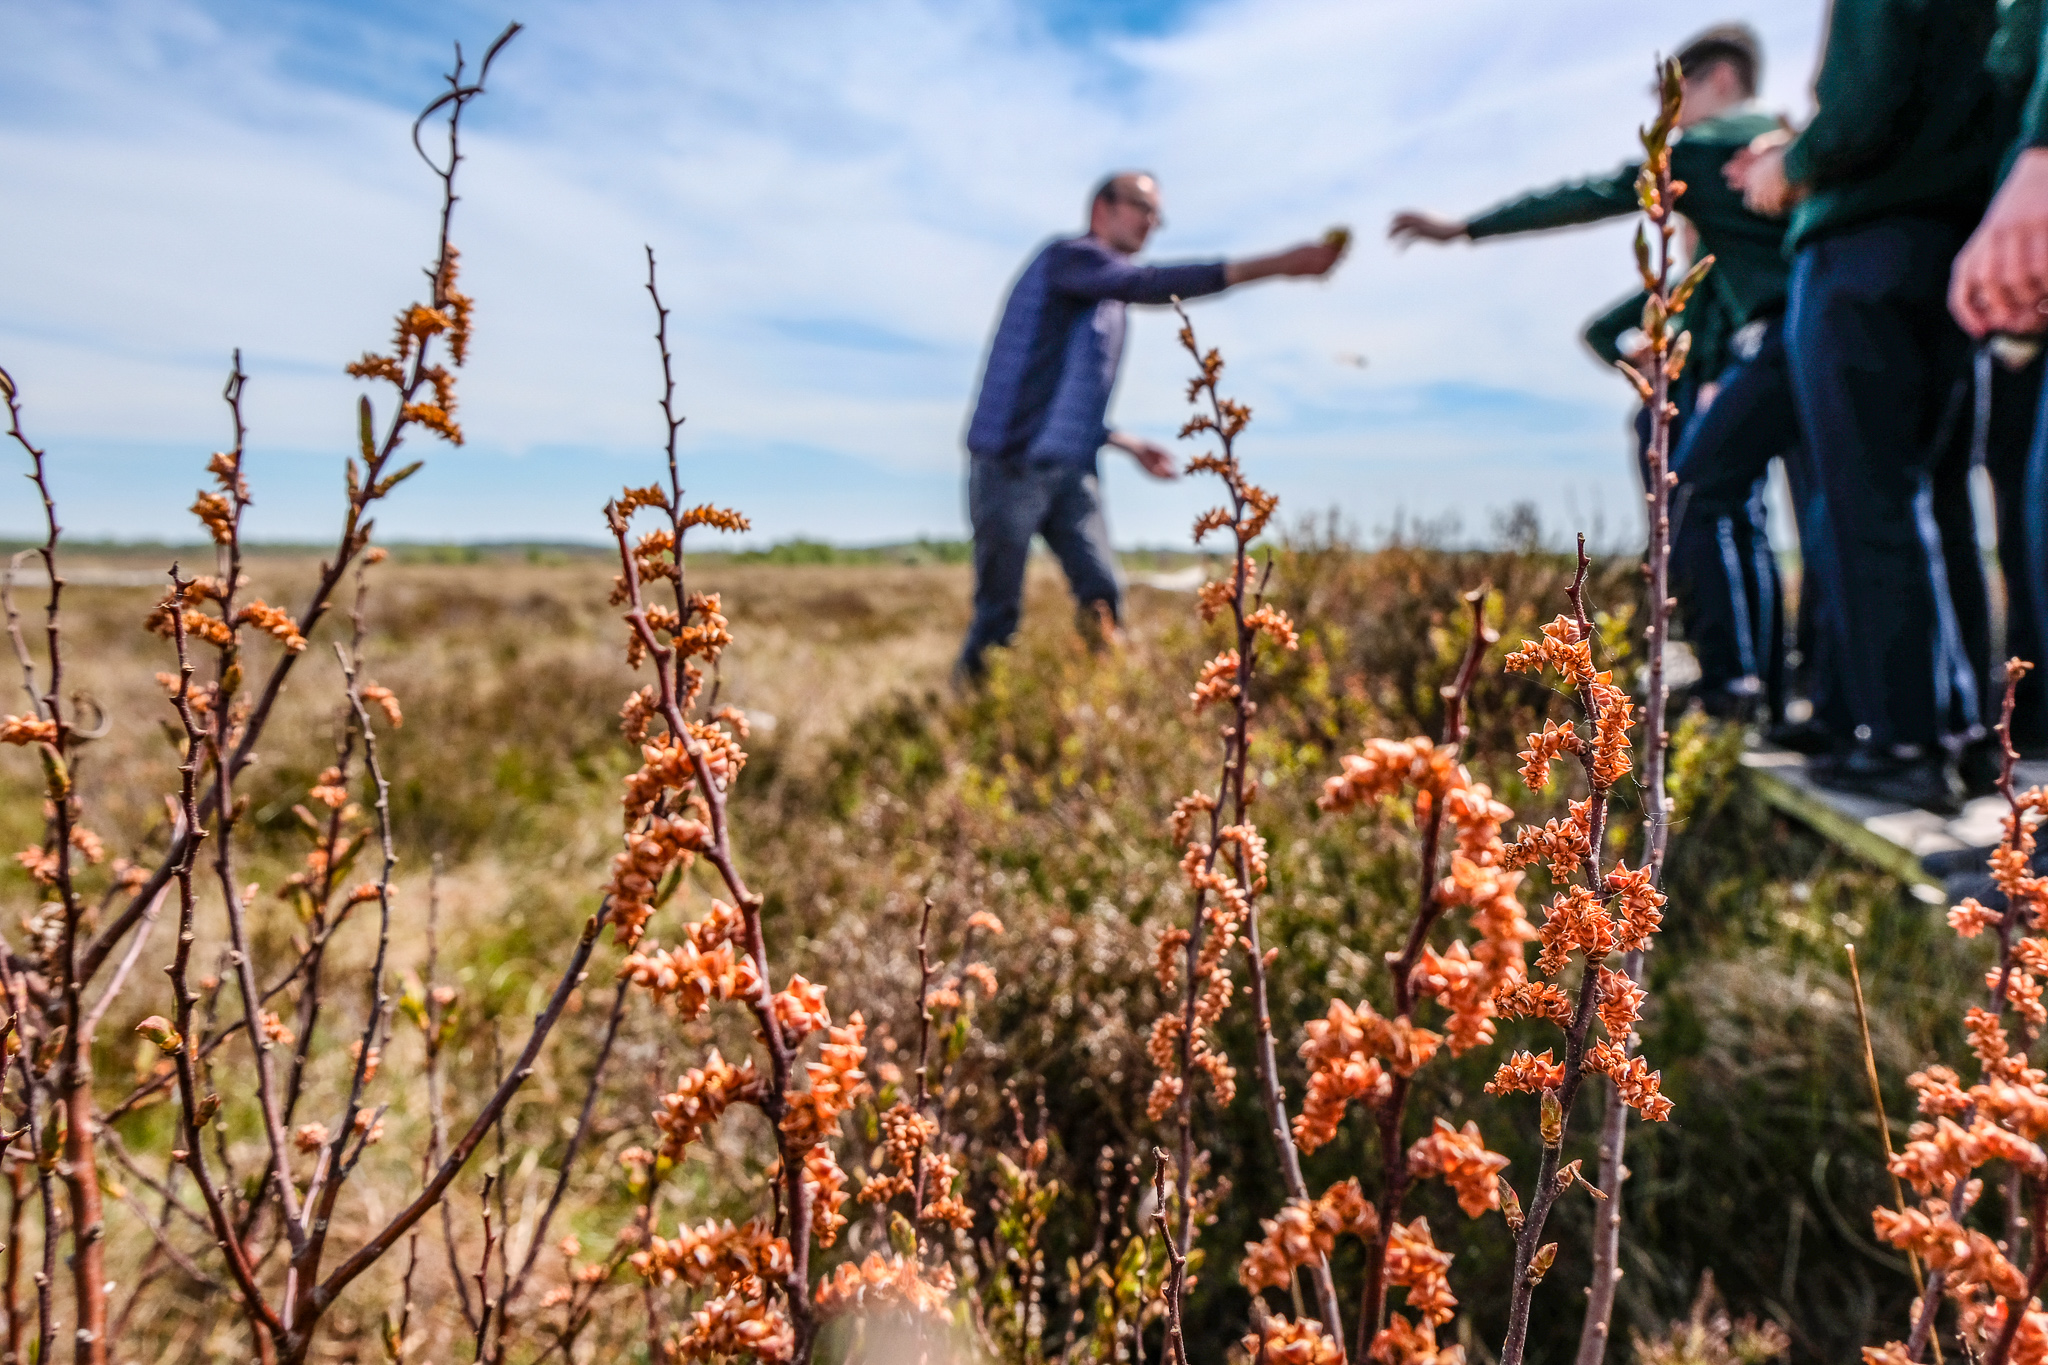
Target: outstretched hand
2000	280
1758	171
1308	259
1153	458
1410	227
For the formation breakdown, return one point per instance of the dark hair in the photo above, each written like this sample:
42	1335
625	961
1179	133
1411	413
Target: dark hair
1105	191
1735	44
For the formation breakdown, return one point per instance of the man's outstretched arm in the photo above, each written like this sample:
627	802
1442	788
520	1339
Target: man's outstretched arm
1592	200
1091	271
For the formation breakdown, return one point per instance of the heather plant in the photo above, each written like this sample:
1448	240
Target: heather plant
272	1240
1996	1122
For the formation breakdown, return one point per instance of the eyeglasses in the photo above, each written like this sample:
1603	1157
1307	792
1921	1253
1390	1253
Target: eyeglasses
1151	211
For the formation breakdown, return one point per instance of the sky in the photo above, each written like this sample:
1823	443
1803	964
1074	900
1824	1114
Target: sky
839	196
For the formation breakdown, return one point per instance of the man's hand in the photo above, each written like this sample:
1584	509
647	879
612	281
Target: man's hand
1311	258
1153	458
1758	171
2000	280
1410	227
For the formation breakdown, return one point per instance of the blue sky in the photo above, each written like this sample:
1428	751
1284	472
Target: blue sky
839	195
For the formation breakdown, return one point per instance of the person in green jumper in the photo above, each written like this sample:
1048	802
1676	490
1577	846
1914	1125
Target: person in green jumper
1999	291
1730	599
1882	186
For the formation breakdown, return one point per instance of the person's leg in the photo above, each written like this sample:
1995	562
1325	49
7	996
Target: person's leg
1727	590
1963	616
1004	504
2015	400
1078	533
2034	542
1872	357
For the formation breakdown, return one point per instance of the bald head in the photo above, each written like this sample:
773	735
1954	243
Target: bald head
1125	210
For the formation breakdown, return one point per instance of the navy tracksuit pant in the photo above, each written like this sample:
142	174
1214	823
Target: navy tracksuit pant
1878	368
2010	430
1730	602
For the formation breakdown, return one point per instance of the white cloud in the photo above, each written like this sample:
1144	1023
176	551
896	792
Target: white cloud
839	195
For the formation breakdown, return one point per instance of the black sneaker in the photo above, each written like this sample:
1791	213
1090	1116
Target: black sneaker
1980	765
1920	780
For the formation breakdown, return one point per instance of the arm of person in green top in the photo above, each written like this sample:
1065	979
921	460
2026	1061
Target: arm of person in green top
2000	279
1591	200
1862	95
1603	334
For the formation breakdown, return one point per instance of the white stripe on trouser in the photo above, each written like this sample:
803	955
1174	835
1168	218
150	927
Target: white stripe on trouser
1738	596
1954	678
1766	581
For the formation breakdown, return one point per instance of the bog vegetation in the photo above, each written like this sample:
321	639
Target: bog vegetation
650	963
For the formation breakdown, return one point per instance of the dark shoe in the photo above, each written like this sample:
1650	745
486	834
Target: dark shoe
1802	737
1980	765
1920	780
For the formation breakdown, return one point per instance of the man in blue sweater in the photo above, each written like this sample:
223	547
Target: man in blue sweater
1045	390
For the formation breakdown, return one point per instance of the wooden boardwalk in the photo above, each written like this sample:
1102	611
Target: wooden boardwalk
1901	840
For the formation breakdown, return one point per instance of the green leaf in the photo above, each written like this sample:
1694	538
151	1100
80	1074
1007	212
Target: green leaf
391	481
1692	281
365	423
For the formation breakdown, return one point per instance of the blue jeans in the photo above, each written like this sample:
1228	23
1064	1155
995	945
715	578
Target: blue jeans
1010	501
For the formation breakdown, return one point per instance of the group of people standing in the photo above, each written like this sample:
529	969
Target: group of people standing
1871	320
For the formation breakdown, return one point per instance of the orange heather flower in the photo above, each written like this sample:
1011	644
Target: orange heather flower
1218	682
1940	1091
274	621
1560	649
1614	712
718	518
1414	1263
1641	905
945	1206
1543	749
886	1282
800	1009
1970	918
1574	921
1633	1078
1401	1342
905	1132
1461	1158
1214	598
1383	767
214	510
1277	626
737	1325
700	1097
715	1253
827	1186
29	730
836	1084
1522	1071
1565	844
1621	1004
386	699
1293	1343
691	977
1303	1232
1534	1000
